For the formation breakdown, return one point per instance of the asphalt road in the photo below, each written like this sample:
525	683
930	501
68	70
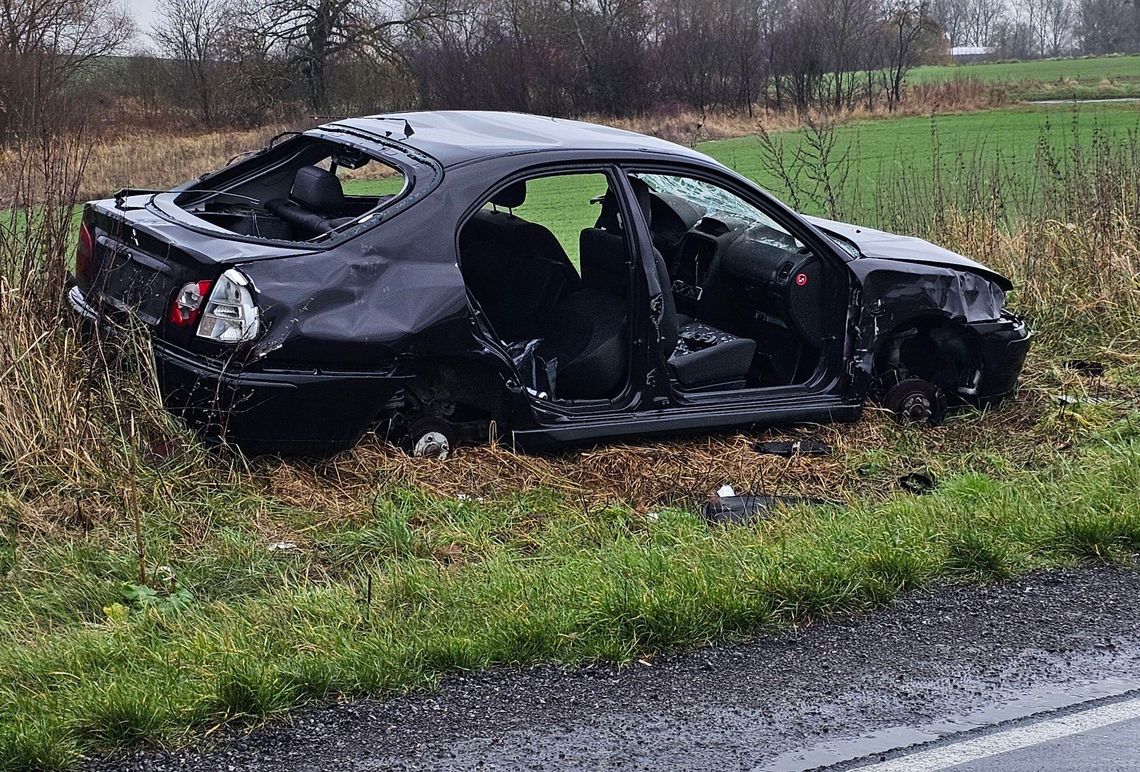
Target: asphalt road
1100	735
1041	673
1115	746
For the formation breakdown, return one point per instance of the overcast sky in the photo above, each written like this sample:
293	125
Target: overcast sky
143	13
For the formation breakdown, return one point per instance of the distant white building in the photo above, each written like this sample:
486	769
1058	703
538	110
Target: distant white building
962	54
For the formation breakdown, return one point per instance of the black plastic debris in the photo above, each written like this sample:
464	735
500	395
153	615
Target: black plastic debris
808	447
748	509
1086	367
918	483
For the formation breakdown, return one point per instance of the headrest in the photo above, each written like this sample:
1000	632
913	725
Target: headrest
604	262
644	201
609	218
511	196
317	190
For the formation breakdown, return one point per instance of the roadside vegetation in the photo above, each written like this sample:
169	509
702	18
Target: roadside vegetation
150	589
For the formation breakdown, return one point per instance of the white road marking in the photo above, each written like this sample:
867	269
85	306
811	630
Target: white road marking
1015	738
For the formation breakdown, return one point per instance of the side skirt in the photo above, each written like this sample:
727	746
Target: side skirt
681	420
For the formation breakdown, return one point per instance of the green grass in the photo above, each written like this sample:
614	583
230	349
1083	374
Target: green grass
880	149
1090	70
608	584
1085	78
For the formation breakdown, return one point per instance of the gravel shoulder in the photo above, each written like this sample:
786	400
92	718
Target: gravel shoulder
935	657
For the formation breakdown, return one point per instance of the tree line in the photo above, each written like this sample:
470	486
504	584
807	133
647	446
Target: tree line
244	61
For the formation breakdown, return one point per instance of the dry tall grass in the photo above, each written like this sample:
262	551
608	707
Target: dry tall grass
1065	228
75	430
145	159
686	126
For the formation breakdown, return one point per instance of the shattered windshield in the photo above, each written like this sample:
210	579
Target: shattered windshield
711	200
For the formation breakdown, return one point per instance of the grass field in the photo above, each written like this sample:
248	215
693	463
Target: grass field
267	584
1089	69
880	149
1102	76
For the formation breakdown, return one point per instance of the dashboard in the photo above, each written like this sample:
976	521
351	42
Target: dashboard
721	262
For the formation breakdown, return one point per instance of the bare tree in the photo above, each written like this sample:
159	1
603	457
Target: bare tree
312	34
190	33
953	17
72	31
1059	25
609	37
984	16
906	22
44	44
1109	26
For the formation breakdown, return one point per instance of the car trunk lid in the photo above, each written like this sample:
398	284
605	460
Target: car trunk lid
138	259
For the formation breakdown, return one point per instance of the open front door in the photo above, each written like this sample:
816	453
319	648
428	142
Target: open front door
740	300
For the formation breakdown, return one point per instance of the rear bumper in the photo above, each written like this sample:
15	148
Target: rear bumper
1003	344
277	411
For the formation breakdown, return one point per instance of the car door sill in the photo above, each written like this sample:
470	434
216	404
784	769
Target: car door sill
688	418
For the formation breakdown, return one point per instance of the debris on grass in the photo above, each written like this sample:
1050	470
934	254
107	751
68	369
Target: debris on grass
805	447
1087	367
748	508
283	546
918	483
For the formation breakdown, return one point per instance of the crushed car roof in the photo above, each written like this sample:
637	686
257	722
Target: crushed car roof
459	136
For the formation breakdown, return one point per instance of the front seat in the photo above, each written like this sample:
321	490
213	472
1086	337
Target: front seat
315	202
700	356
602	251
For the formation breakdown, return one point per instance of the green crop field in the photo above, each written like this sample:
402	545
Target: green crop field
1091	77
1089	69
879	149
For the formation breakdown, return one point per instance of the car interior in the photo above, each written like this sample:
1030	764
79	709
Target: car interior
302	199
746	305
755	307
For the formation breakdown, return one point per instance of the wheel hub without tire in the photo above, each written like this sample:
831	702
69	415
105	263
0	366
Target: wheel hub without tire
917	407
432	445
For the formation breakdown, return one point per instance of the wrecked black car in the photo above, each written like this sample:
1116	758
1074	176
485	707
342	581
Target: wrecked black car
447	277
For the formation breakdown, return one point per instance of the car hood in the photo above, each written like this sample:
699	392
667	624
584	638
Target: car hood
891	246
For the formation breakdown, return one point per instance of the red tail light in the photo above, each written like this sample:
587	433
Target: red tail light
187	304
84	255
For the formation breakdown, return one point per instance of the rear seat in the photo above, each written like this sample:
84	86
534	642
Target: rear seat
517	271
